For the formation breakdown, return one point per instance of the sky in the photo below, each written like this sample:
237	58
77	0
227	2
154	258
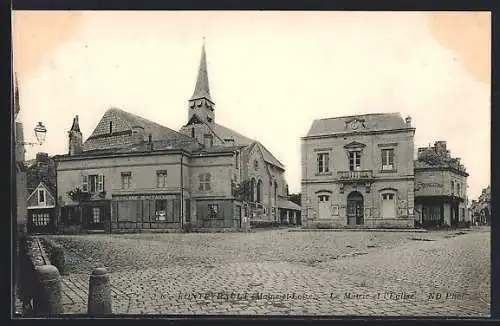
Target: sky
271	73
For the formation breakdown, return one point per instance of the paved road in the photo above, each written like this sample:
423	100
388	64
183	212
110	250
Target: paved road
280	272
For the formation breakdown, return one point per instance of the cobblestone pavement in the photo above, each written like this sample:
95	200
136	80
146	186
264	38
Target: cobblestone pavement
445	273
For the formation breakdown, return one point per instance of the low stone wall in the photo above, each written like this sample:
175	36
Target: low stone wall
31	255
55	253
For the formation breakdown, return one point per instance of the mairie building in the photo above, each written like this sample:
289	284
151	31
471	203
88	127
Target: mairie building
357	171
360	172
132	173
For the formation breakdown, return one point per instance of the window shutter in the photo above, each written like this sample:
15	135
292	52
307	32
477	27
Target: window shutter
84	183
100	186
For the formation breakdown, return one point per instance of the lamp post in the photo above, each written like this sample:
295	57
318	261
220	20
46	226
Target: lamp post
40	133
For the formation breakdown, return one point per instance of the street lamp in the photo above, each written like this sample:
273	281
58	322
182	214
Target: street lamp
40	132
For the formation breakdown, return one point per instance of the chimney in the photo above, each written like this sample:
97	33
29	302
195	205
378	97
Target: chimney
408	122
75	138
42	157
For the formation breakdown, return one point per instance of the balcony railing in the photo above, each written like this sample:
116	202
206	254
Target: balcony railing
355	175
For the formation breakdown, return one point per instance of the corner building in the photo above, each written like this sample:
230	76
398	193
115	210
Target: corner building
132	173
357	171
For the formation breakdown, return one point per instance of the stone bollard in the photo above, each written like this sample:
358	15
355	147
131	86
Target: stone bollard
47	299
99	293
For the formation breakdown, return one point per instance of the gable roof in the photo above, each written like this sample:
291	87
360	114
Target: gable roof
371	122
158	132
48	191
239	139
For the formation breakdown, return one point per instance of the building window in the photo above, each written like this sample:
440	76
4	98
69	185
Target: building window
213	209
323	198
237	159
192	132
255	165
161	209
388	159
355	161
111	127
96	215
323	162
41	219
41	197
208	141
126	180
161	179
452	188
458	189
93	183
205	182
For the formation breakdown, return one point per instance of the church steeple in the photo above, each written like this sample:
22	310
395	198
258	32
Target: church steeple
201	102
202	89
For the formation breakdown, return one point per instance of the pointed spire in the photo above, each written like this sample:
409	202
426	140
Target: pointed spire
202	89
75	126
17	106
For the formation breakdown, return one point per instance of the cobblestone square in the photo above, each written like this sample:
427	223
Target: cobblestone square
442	273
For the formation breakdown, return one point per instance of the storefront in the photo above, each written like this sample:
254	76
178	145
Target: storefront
151	211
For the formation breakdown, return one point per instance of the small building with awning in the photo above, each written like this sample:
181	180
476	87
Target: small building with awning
289	211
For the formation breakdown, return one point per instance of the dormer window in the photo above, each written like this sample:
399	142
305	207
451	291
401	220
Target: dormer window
209	119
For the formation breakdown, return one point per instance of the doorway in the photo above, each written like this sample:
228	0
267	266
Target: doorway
324	207
355	209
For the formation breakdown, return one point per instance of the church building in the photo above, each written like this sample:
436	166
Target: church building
132	173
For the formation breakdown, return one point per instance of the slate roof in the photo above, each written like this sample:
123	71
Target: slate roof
287	204
202	89
157	131
166	136
372	122
239	139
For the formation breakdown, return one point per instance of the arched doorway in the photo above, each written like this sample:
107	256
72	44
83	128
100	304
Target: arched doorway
355	208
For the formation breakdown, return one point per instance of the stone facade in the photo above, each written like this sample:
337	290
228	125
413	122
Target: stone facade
132	173
345	179
440	188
